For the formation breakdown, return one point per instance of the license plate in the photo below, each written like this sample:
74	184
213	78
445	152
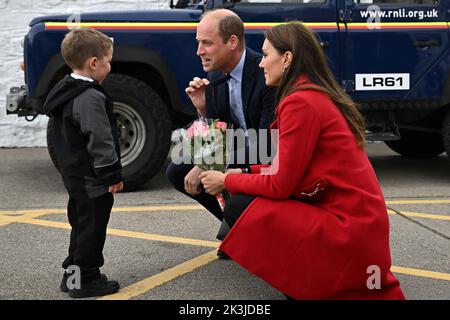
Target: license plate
382	81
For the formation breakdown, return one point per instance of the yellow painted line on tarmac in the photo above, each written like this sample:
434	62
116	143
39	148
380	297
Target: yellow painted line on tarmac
126	233
156	237
422	215
182	208
4	221
144	286
139	288
159	208
441	201
426	215
421	273
150	283
39	212
29	212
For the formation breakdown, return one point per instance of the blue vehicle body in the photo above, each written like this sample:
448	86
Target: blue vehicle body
392	59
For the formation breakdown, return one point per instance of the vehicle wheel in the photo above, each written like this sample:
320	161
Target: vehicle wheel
417	144
144	128
446	133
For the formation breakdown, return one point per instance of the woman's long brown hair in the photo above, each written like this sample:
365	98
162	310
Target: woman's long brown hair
308	58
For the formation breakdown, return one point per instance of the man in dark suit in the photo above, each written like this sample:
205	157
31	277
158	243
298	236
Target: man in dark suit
235	92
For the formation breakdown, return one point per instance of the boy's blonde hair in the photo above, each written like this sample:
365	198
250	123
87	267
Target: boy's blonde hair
82	44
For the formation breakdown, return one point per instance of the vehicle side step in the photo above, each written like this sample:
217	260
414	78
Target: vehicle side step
381	136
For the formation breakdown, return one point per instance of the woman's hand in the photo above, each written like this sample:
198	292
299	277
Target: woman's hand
213	181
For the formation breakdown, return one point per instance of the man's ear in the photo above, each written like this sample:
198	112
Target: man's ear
234	42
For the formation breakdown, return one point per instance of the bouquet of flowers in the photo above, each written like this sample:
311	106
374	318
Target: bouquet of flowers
205	140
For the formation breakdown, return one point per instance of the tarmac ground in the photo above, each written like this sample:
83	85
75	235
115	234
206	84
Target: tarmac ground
161	245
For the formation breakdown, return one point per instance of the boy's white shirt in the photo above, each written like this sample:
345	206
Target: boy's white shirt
77	76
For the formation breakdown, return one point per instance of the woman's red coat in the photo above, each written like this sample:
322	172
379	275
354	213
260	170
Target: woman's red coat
319	227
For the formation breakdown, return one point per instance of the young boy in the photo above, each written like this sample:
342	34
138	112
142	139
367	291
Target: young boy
85	143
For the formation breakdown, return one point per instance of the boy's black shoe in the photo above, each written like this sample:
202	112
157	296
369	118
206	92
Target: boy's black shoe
95	288
63	284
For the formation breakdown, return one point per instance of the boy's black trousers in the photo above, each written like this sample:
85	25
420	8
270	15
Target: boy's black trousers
88	219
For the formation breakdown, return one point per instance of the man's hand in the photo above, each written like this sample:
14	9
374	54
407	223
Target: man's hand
196	92
192	181
213	181
116	187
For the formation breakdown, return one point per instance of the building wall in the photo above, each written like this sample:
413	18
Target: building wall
15	16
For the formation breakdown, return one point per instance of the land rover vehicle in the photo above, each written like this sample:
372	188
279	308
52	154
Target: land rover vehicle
391	56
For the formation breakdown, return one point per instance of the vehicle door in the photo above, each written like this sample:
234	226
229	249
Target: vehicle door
391	48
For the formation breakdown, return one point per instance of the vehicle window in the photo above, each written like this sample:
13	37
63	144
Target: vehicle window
425	2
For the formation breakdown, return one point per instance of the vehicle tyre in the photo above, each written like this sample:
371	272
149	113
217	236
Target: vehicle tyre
417	144
446	133
143	125
144	128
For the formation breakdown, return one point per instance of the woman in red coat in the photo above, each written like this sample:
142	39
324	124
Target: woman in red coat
314	223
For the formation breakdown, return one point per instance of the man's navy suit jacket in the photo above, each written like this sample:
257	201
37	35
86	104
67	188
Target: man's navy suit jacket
257	102
257	98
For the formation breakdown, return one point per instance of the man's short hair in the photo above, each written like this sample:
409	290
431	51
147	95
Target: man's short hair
228	25
82	44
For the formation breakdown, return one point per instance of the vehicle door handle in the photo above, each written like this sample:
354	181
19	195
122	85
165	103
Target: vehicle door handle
426	43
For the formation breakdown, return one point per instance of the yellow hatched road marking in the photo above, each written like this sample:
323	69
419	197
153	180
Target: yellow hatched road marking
35	213
156	237
144	286
116	209
150	283
4	222
126	233
422	215
159	208
424	201
421	273
29	212
426	215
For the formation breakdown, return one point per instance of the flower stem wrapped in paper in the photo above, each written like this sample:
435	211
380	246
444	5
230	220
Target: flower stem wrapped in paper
206	140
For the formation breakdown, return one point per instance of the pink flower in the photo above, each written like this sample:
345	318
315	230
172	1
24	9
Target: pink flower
190	132
221	125
197	129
